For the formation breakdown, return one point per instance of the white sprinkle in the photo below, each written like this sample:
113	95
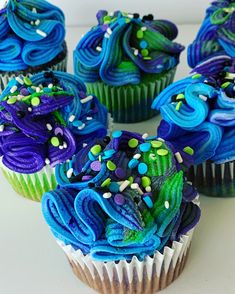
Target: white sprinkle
34	88
137	156
47	161
98	48
144	29
32	23
124	185
61	147
65	145
19	97
204	98
13	89
82	127
37	22
88	98
167	205
107	195
89	118
30	109
72	118
84	145
49	127
145	136
41	33
148	189
69	173
135	186
38	89
178	157
230	75
109	31
190	183
50	86
136	52
19	80
130	15
34	10
160	139
1	128
106	35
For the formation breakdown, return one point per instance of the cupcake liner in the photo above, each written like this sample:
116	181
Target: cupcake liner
132	103
31	186
149	276
214	180
6	77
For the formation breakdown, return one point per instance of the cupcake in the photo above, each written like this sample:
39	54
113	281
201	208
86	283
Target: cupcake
44	121
216	34
126	61
126	214
200	111
31	39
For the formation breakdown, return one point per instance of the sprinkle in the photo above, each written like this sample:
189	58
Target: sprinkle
133	163
143	44
65	145
106	35
37	22
34	10
61	147
178	105
55	141
144	29
204	98
58	131
136	52
38	89
49	127
35	101
96	149
72	118
119	199
50	86
82	127
89	118
111	166
156	144
162	152
178	157
196	76
120	173
13	89
145	135
148	200
139	34
142	168
230	75
114	187
109	31
137	156
225	85
133	143
145	181
144	52
41	33
98	48
180	96
167	204
32	23
47	161
27	81
109	153
87	99
124	185
188	150
131	180
107	18
30	109
1	128
135	186
84	145
19	80
160	139
145	147
148	189
107	195
69	173
11	100
96	166
106	183
116	134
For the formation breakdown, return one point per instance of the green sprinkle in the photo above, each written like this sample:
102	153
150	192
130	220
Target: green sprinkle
162	152
35	101
131	180
107	19
11	100
140	34
133	143
225	85
106	183
147	57
95	150
156	144
144	52
55	142
188	150
180	96
111	166
178	106
196	76
145	181
27	81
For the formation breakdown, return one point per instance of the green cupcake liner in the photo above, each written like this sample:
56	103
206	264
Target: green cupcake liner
214	180
31	186
132	103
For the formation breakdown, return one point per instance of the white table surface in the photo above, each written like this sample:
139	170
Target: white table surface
32	263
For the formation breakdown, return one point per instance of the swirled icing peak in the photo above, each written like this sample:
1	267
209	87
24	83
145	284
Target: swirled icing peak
216	35
46	119
200	111
122	198
31	34
123	46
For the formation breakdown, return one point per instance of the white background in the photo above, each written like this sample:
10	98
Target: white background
82	12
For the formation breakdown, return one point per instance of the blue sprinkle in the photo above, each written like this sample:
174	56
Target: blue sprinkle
114	187
133	163
91	156
47	90
116	134
77	123
145	147
150	138
109	153
12	83
148	200
31	91
142	168
143	44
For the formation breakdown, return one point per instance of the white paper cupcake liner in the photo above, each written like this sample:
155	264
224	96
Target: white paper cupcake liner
149	276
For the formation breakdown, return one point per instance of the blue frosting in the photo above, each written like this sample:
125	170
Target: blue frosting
31	34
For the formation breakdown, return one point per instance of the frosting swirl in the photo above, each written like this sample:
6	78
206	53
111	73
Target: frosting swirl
31	34
46	120
123	46
123	198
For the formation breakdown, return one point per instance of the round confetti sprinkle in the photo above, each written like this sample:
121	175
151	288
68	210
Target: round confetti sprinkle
145	147
55	141
133	143
35	101
144	52
156	144
96	165
142	168
143	44
11	100
188	150
139	34
116	134
59	131
111	166
146	181
120	173
162	152
133	163
95	150
119	199
24	92
114	187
